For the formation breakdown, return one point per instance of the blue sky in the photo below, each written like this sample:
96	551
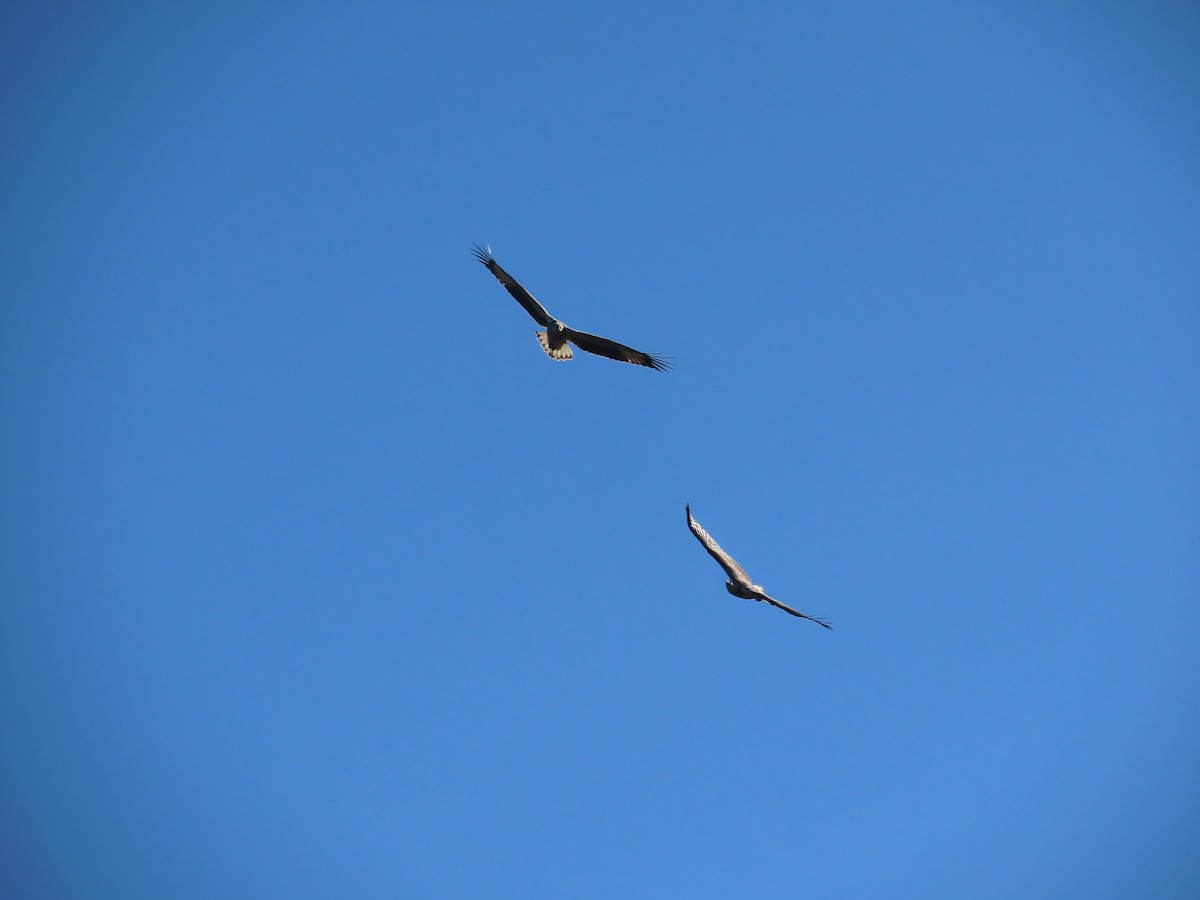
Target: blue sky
322	580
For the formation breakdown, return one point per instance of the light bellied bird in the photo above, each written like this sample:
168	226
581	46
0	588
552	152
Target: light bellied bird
739	583
554	339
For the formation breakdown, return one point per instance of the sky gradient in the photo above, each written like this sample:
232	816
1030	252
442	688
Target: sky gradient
322	580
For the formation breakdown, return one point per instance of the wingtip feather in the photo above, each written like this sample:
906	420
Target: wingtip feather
483	254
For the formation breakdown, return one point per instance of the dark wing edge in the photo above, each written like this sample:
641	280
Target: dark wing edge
727	562
796	613
522	296
604	347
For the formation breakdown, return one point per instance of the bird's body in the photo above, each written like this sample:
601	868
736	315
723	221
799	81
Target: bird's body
739	583
554	340
557	337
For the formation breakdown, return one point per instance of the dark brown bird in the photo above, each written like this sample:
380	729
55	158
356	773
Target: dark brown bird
554	339
739	583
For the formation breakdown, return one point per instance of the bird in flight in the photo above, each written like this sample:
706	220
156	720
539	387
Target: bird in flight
739	583
554	339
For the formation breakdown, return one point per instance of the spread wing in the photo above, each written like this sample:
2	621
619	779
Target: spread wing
735	572
801	615
511	284
604	347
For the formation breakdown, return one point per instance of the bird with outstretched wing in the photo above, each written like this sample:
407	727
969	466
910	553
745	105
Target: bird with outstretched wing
555	338
739	583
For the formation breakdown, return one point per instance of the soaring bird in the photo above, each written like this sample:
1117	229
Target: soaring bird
554	338
739	583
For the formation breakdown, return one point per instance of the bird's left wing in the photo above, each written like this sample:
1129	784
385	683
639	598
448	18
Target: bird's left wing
727	562
511	284
604	347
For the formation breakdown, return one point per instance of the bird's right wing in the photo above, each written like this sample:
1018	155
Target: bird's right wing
801	615
601	346
511	284
727	562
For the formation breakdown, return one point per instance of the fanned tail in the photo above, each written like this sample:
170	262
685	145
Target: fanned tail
561	353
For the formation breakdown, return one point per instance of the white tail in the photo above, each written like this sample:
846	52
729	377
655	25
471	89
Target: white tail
562	352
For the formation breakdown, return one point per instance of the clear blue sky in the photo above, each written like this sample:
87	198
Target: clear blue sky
322	580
